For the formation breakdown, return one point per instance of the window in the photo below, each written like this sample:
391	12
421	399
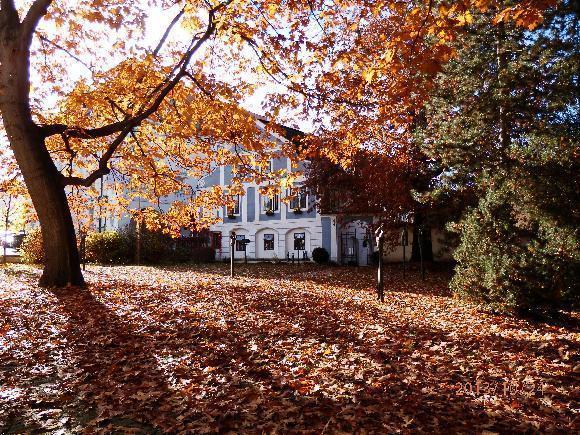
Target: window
300	200
268	242
240	245
265	169
299	241
271	203
235	210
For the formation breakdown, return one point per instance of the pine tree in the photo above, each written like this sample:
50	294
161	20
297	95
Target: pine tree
503	122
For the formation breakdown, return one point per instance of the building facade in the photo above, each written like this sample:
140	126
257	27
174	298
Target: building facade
268	227
275	228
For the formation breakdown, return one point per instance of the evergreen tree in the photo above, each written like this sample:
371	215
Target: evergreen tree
503	123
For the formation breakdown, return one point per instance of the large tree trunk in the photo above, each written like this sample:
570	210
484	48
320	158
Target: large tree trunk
43	181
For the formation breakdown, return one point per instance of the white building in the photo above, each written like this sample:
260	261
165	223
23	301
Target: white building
270	229
275	229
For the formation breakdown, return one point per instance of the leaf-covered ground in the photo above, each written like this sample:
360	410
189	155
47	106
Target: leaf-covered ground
278	349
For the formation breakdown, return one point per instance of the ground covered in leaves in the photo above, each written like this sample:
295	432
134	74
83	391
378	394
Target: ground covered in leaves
278	349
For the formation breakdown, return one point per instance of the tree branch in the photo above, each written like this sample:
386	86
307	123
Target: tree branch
8	13
33	16
165	88
60	47
167	31
125	127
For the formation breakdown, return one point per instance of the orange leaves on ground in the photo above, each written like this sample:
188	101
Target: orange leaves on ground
278	349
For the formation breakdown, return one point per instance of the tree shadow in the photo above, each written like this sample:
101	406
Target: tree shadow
143	362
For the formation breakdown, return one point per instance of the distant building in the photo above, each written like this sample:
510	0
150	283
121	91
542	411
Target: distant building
277	229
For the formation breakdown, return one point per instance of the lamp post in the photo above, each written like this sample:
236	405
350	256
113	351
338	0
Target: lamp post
232	246
246	242
421	230
380	238
404	242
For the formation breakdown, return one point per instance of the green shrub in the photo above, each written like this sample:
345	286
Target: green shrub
320	255
513	260
32	248
160	248
156	248
108	247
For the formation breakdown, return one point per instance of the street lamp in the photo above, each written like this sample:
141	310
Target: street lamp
380	239
245	242
232	252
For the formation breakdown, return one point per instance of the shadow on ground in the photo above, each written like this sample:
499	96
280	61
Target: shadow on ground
253	357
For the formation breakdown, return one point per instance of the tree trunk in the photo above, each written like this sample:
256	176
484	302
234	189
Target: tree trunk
43	181
425	240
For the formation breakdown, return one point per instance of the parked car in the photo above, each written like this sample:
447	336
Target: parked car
6	239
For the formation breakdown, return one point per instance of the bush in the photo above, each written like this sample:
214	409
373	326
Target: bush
320	255
513	261
156	248
159	248
203	255
108	247
32	248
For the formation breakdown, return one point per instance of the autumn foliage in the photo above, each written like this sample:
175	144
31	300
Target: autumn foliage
151	115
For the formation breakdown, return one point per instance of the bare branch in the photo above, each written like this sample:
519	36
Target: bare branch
167	32
60	47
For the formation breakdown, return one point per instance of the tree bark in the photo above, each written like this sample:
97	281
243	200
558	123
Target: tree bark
42	179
